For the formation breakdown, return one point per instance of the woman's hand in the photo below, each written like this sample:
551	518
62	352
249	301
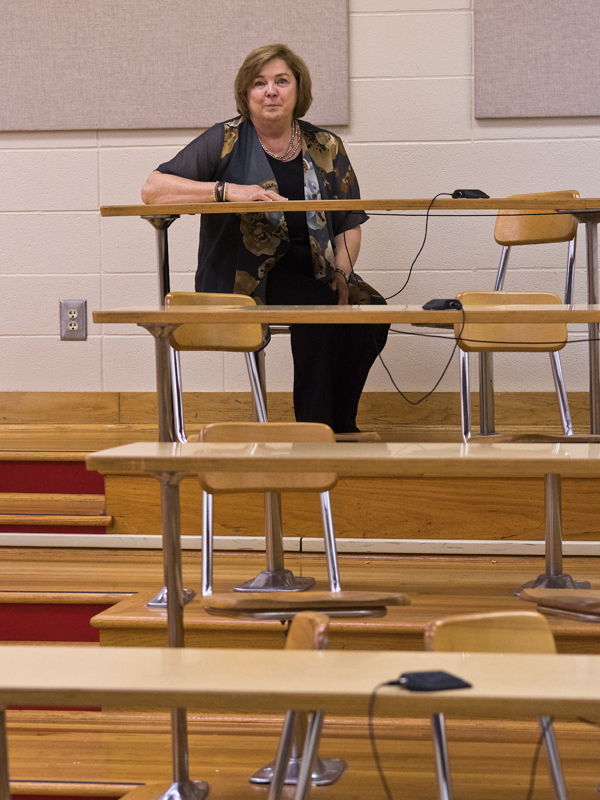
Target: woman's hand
241	193
339	284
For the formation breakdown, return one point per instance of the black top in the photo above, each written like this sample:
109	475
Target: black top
290	183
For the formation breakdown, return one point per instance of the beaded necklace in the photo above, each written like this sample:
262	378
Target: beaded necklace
291	149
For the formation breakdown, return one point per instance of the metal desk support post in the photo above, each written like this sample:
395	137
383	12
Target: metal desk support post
161	225
182	787
591	219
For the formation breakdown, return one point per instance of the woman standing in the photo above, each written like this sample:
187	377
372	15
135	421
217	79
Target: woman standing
297	258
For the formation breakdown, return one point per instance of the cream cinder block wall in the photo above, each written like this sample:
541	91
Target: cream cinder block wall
412	134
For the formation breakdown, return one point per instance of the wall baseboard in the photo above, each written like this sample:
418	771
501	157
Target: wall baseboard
377	409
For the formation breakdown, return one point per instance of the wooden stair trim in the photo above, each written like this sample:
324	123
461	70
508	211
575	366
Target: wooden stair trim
52	504
62	598
56	519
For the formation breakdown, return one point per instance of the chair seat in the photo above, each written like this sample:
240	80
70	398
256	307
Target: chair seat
283	605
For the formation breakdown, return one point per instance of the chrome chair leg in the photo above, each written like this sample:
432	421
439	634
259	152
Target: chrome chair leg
570	279
177	397
442	765
465	396
502	269
255	364
309	754
553	757
561	394
207	544
325	771
330	547
279	768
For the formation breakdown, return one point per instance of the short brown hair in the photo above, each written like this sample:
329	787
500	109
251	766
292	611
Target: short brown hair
255	61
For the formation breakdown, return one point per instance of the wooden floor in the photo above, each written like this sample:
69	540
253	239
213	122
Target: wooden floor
489	760
103	754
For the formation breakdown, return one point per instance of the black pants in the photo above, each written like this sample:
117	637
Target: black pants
331	362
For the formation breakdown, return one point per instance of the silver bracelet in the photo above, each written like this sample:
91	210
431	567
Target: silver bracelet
341	271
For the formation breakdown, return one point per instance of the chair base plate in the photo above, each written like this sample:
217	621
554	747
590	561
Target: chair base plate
160	600
281	580
326	772
186	790
562	581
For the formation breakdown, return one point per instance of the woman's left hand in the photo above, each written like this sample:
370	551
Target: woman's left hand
340	285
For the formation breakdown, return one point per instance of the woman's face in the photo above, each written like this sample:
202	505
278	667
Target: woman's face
272	94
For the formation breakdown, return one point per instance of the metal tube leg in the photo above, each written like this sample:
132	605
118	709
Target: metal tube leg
561	394
552	495
4	773
177	397
591	233
283	754
162	351
273	532
487	413
570	279
502	269
207	544
179	745
553	757
255	364
330	548
169	490
309	754
465	396
442	766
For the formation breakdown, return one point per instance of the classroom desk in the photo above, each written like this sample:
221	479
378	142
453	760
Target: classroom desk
584	210
161	322
170	462
337	682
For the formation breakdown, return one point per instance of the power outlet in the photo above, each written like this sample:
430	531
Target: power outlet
73	320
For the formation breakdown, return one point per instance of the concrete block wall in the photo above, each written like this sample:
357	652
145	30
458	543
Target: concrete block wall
412	134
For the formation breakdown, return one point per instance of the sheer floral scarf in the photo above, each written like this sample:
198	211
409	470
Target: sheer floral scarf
327	173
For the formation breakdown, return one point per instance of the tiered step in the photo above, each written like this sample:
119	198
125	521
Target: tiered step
437	587
489	759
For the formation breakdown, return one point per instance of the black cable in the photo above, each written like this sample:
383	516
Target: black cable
440	194
439	380
372	740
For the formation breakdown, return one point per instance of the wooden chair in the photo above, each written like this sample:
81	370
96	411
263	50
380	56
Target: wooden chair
304	766
501	632
275	578
246	339
297	761
515	228
505	337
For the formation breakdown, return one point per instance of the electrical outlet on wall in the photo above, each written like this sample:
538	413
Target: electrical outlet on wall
73	320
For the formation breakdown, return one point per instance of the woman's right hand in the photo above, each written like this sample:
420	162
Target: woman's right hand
241	193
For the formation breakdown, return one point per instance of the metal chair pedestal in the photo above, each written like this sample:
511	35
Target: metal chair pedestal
324	772
554	577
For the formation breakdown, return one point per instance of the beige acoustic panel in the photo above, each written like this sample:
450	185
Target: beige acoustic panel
537	58
118	64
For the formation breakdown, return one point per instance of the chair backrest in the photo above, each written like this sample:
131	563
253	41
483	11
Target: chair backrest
227	337
308	631
272	433
517	227
479	337
501	632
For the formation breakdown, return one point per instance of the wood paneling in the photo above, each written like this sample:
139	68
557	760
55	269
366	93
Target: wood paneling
372	508
382	410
